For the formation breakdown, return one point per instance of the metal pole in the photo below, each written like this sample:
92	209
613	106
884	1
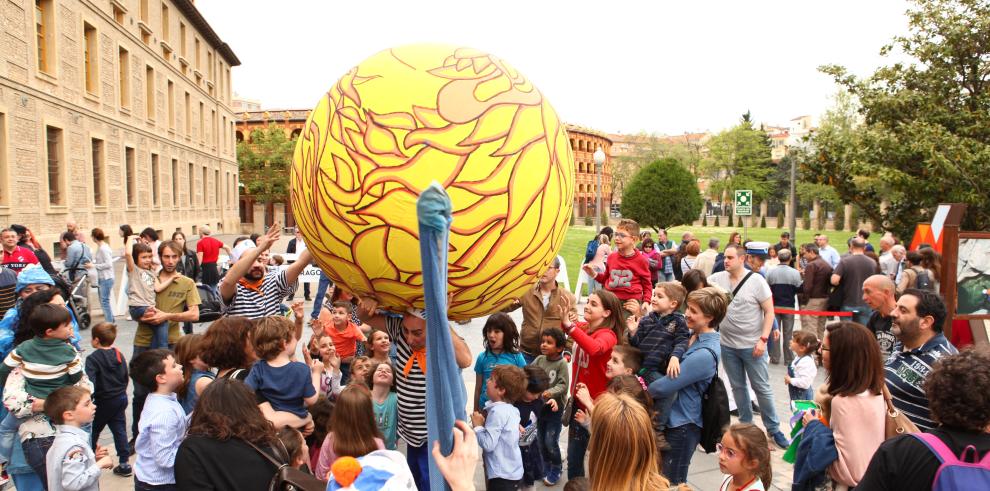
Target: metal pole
598	203
792	219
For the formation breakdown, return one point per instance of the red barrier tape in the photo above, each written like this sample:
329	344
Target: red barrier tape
823	313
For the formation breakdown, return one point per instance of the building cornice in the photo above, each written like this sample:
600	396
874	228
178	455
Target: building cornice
192	13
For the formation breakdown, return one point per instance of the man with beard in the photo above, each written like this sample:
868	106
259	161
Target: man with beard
540	310
878	293
177	303
917	325
249	290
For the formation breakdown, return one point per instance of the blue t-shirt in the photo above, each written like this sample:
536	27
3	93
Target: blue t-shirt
284	387
386	416
189	401
486	363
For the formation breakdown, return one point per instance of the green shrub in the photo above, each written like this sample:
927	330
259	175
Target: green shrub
763	221
739	223
716	220
838	221
588	220
806	220
704	220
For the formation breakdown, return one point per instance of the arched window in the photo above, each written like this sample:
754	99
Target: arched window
239	136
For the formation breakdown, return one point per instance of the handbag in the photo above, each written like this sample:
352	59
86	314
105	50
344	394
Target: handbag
289	478
895	422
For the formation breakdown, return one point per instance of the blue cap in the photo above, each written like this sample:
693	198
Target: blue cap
33	275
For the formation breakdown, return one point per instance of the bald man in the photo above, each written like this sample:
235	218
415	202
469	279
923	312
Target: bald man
878	293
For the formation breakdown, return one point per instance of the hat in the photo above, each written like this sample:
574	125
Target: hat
758	248
421	313
381	469
33	275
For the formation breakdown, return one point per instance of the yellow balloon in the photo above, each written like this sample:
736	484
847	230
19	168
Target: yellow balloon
415	114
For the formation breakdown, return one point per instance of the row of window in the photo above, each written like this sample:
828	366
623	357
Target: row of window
580	145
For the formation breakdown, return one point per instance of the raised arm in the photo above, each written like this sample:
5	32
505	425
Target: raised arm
293	270
229	284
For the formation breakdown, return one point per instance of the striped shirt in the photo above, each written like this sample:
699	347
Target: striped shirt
8	282
160	431
265	302
47	364
411	389
906	372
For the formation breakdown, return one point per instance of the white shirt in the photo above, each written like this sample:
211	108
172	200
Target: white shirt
727	485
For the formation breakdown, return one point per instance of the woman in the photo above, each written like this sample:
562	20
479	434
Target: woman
189	266
623	450
103	262
222	447
694	279
917	264
690	251
852	402
226	346
735	238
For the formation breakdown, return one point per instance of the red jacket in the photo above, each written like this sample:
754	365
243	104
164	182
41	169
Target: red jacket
627	277
590	356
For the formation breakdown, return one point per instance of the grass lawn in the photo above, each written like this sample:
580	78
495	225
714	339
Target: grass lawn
578	236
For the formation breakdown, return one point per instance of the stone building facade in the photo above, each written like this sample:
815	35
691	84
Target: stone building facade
584	142
113	112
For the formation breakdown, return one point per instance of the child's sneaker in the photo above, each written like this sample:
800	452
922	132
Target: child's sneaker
123	470
553	476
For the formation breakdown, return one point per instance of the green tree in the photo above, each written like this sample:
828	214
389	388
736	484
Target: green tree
679	203
647	148
739	158
264	164
924	136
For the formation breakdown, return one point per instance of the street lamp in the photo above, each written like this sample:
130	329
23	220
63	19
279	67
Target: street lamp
599	163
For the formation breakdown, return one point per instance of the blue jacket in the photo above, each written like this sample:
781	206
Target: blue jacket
815	453
659	338
697	369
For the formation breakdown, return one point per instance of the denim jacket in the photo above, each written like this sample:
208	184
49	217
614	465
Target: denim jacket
697	369
815	454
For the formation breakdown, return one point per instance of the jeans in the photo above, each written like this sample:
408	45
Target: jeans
786	322
211	275
419	464
112	413
548	428
665	276
683	441
577	446
499	484
159	333
321	291
35	450
8	433
105	288
860	314
740	364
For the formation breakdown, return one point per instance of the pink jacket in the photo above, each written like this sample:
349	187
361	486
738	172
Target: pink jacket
858	427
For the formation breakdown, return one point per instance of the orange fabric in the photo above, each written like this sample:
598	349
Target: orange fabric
345	341
419	356
346	470
251	285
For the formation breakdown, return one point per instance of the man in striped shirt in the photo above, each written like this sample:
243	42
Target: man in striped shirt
409	334
8	283
249	290
917	324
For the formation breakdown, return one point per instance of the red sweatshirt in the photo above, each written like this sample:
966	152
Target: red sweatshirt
628	277
592	352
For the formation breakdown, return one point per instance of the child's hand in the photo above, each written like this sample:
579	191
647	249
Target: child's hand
308	429
563	310
631	305
317	366
787	379
589	270
553	405
101	451
809	416
632	324
583	395
521	429
333	360
673	367
297	310
368	304
572	316
580	416
104	462
546	395
477	419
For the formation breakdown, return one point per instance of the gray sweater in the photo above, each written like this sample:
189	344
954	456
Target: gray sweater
559	378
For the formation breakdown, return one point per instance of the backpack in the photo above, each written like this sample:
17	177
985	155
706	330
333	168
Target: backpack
957	473
923	281
589	253
714	411
288	478
210	308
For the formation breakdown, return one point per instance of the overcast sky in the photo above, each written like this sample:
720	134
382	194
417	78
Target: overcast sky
618	66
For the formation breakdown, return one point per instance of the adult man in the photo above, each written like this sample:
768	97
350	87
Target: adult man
706	260
785	282
827	252
917	325
13	256
850	274
540	310
887	261
745	333
897	253
8	284
409	334
785	243
77	255
249	290
815	289
878	293
208	252
25	238
177	303
296	246
667	251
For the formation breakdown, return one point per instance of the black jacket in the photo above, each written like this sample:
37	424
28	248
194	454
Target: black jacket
107	369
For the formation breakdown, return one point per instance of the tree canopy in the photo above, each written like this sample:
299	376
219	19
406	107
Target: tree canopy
663	194
915	133
739	158
264	163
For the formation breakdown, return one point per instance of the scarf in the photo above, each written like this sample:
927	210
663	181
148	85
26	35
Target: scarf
251	285
418	356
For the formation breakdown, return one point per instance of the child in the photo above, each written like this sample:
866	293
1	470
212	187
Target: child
501	348
71	464
631	385
360	368
498	432
344	333
197	375
802	371
53	362
324	365
286	385
142	286
321	412
744	455
107	370
294	446
529	406
627	274
594	340
380	347
625	361
549	424
382	382
157	371
352	429
662	335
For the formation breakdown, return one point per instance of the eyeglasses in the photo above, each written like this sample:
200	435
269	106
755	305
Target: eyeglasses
620	235
823	348
726	450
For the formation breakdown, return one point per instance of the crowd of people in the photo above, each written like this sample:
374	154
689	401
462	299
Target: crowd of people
631	377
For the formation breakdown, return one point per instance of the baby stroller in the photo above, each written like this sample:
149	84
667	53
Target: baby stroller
75	284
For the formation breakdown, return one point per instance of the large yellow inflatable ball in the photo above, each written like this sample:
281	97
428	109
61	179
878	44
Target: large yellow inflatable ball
416	114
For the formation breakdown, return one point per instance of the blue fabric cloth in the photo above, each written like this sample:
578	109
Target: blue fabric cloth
284	387
697	369
189	401
445	393
740	366
487	361
814	454
659	337
33	275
